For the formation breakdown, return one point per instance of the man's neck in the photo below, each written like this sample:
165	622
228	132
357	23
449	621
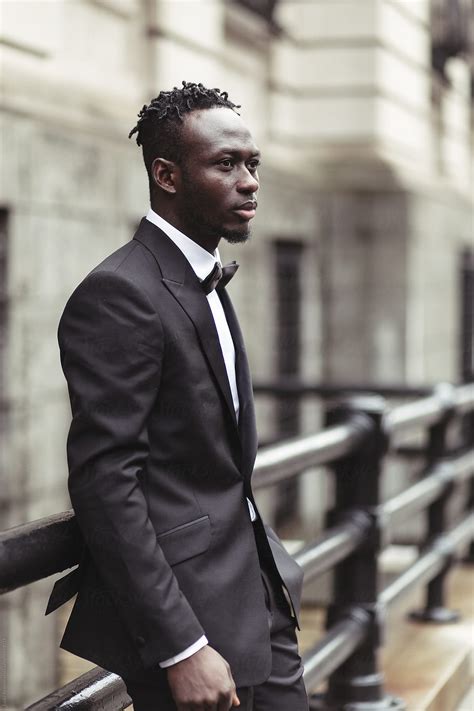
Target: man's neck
209	243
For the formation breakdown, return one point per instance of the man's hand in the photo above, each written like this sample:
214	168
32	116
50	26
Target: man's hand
202	682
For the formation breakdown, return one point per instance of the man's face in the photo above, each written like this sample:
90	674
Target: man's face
218	178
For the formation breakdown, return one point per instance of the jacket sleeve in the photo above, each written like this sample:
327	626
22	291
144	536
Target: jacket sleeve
111	343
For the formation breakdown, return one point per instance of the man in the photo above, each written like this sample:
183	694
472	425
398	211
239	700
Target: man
182	591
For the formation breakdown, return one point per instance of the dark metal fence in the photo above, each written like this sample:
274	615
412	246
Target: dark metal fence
359	432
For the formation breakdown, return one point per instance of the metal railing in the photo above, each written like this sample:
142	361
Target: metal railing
358	435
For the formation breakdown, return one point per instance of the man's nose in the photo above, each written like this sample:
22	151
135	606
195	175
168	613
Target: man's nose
248	183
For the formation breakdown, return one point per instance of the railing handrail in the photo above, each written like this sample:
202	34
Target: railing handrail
98	686
341	640
429	410
332	546
295	387
428	489
60	532
44	547
280	462
52	544
430	562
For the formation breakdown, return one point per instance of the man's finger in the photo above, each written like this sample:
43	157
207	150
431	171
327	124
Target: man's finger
223	705
235	698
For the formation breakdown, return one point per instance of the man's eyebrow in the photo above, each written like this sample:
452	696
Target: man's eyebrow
236	152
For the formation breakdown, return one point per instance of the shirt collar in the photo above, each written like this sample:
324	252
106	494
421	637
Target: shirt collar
200	259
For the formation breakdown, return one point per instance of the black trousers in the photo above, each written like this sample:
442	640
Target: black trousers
284	690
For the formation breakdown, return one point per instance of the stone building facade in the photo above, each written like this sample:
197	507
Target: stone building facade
365	212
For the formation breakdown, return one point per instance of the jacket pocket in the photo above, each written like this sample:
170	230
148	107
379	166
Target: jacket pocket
186	541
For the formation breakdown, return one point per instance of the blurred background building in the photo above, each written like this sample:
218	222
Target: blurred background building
361	264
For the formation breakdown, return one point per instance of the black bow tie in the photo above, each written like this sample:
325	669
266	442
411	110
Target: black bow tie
219	276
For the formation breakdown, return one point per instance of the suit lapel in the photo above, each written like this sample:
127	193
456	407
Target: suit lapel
247	424
180	279
194	302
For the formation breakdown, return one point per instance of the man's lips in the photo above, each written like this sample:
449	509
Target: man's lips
247	210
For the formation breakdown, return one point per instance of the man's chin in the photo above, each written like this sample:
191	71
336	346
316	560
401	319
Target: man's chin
236	237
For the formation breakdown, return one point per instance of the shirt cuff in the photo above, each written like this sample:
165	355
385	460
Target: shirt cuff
202	641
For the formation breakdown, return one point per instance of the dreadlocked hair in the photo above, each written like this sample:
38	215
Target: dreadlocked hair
173	104
159	124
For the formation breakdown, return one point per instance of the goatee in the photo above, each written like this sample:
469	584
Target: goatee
235	237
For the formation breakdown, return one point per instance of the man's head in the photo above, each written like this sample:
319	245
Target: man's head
201	162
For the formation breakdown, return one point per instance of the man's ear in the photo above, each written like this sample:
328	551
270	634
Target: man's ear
164	174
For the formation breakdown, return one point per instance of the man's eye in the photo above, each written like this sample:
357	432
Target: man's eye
226	163
253	165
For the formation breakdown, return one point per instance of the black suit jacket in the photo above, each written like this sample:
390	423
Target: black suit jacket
159	472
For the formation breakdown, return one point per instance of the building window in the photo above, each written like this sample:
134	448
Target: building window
264	8
450	22
467	317
288	266
3	301
3	343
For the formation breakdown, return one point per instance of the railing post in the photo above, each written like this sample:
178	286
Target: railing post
358	683
435	609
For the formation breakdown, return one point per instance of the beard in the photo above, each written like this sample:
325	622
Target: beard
201	223
235	237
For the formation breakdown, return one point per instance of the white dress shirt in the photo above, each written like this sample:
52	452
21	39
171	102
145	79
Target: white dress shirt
202	263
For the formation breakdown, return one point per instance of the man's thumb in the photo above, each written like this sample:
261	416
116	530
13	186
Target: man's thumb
235	700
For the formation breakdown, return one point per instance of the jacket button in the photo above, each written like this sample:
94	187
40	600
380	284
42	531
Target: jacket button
141	641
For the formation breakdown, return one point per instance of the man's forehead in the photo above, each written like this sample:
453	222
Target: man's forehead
218	129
